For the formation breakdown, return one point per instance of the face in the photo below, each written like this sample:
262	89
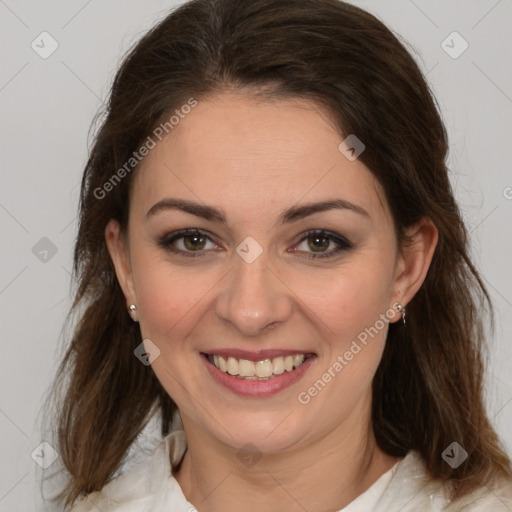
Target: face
253	239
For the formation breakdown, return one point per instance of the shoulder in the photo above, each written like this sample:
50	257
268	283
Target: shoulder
144	485
131	488
497	498
412	490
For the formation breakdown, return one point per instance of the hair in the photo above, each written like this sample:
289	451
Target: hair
428	389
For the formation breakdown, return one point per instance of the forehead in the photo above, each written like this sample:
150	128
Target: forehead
238	152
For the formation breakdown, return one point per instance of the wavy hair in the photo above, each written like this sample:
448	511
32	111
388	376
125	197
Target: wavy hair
428	389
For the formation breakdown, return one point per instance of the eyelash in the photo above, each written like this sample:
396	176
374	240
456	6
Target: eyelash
343	244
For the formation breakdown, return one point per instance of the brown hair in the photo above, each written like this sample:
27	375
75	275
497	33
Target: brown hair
428	388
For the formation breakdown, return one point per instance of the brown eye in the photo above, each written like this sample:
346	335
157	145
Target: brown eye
194	242
321	244
187	242
318	243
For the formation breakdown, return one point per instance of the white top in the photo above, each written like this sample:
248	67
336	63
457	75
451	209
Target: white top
150	487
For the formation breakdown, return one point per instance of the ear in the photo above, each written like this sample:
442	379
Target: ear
414	260
119	252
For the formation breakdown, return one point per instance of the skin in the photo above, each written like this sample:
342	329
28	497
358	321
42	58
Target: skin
253	160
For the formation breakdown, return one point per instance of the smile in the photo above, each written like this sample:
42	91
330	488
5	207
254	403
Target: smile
257	370
257	374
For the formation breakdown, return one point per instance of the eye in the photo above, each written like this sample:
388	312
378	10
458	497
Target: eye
188	241
321	244
314	244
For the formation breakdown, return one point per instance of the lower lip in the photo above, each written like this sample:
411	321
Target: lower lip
257	388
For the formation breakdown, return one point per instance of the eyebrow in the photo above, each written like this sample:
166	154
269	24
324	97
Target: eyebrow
290	215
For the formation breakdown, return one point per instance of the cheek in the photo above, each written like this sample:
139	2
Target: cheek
349	298
342	300
170	301
352	307
353	320
171	297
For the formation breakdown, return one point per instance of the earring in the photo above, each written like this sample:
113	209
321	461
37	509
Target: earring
402	310
132	309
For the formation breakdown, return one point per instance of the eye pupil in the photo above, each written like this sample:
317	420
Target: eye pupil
194	242
319	243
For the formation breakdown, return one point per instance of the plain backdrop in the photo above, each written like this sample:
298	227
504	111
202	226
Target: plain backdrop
48	102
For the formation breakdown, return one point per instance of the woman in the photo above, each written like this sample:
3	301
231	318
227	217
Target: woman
270	247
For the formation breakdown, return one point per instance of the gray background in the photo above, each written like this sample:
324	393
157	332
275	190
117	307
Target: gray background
47	105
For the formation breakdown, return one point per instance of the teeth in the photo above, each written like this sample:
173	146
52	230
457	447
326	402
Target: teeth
277	365
298	360
259	370
245	368
232	366
263	368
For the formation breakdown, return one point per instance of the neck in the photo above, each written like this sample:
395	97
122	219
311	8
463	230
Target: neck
325	475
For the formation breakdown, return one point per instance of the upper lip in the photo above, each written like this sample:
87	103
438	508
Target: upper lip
258	355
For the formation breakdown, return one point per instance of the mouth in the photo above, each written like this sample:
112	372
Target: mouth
260	370
257	374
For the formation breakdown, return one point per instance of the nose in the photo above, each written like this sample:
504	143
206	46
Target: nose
254	298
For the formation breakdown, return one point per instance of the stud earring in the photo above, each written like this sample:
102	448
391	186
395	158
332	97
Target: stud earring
402	310
132	309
